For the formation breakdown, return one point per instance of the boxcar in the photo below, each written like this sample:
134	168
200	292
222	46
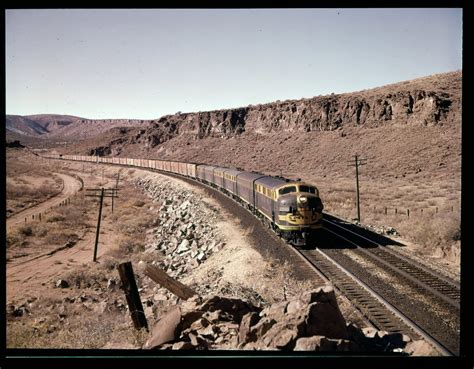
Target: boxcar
183	169
191	170
174	167
204	172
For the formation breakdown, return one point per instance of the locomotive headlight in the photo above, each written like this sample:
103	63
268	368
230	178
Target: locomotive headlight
303	199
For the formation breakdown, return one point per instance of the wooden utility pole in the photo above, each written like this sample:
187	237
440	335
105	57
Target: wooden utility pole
103	193
357	162
116	189
131	294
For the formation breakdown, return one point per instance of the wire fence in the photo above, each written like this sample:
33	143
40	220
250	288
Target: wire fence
413	212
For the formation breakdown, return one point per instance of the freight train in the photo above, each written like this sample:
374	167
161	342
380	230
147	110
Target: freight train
293	209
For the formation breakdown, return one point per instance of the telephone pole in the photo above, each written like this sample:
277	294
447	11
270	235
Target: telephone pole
357	161
100	192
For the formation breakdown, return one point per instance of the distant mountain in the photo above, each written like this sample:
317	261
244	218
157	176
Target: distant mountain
52	122
64	126
24	125
37	125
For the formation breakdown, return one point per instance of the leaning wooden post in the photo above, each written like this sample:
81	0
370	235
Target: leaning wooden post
176	287
131	294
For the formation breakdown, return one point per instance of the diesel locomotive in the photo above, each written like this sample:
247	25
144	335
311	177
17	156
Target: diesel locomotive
293	209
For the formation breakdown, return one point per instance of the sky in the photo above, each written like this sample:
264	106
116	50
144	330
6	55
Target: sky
146	63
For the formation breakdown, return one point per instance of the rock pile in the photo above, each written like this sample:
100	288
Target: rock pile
310	322
185	235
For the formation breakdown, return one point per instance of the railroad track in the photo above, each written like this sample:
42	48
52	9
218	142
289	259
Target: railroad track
379	312
433	283
354	263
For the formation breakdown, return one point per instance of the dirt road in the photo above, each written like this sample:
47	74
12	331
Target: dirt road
71	186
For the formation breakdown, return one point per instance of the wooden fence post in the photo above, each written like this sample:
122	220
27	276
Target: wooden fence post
131	294
408	213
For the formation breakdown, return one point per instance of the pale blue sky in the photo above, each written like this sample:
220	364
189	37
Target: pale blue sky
147	63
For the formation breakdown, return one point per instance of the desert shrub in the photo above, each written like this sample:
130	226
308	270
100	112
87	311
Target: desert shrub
129	246
16	191
108	263
14	239
55	218
86	277
25	230
59	237
71	216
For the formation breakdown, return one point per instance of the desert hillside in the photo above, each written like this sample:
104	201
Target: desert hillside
409	132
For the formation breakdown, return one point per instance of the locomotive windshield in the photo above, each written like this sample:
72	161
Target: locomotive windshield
307	189
286	190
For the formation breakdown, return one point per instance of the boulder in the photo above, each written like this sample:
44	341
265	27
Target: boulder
248	320
166	330
315	343
419	348
323	319
281	336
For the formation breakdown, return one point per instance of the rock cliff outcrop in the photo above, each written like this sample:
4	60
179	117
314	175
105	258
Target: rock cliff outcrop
426	101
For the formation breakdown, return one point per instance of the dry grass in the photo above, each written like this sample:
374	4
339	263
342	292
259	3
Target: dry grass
424	227
58	226
29	182
73	333
81	326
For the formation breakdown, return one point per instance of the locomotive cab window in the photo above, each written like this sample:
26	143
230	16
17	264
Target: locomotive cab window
307	189
286	190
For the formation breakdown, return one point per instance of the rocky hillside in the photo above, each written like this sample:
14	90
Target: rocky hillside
429	101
